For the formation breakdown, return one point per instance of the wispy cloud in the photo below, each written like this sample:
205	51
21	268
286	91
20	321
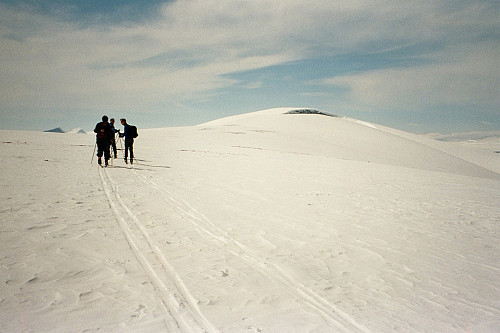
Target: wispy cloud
187	49
468	78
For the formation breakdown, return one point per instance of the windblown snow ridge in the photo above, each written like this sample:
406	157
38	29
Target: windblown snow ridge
312	111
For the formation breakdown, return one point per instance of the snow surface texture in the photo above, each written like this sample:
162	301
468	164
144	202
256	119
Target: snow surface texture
264	222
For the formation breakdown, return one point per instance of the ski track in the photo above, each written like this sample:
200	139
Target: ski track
176	298
329	311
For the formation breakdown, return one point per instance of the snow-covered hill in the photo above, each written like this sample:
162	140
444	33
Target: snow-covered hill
268	221
467	136
77	130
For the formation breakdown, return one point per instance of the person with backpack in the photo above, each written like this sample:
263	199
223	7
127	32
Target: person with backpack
130	133
104	133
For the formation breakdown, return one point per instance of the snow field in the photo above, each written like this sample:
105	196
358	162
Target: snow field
64	264
260	222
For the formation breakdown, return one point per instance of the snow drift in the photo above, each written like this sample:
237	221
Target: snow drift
270	221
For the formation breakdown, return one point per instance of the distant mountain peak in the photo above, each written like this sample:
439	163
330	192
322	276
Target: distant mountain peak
55	130
77	130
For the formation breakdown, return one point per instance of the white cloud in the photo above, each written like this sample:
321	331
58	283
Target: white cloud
191	45
62	65
471	79
253	85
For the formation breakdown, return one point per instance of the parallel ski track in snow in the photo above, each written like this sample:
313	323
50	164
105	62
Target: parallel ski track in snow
329	311
176	298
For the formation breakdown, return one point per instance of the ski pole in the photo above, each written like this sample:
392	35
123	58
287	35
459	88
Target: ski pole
112	157
92	160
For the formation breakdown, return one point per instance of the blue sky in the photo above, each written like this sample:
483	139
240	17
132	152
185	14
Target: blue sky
420	66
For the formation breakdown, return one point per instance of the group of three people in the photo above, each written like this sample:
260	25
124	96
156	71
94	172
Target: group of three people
105	138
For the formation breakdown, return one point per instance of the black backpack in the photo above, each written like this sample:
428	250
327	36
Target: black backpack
133	131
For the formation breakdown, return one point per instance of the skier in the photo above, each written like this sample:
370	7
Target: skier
113	140
104	133
129	132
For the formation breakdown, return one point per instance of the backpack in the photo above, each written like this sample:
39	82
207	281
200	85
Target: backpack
133	131
102	132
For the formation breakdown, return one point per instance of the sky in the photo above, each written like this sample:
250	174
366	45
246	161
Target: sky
419	66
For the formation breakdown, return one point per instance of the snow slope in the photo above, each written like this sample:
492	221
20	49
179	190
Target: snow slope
266	222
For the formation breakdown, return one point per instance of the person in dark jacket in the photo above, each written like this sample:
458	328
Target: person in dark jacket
104	133
113	140
129	140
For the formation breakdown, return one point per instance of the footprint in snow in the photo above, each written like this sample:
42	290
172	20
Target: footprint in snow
140	311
